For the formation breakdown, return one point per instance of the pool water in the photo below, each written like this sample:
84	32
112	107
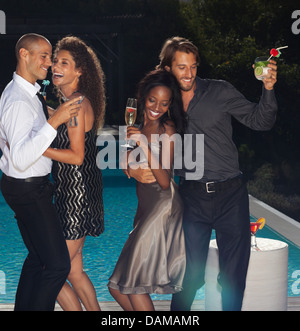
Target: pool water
101	253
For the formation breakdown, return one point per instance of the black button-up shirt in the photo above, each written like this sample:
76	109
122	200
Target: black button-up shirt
209	113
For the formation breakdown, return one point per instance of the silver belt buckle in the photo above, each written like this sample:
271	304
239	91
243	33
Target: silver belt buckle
207	188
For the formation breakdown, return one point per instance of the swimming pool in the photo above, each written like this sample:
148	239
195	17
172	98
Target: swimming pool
100	254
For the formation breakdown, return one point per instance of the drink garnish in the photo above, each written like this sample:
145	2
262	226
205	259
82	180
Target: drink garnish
261	222
45	83
275	52
258	71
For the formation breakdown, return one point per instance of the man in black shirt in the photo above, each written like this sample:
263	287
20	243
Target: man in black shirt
219	199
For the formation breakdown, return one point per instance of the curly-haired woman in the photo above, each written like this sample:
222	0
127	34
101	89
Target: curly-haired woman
76	71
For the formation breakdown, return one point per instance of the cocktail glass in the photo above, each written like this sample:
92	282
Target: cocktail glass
261	68
254	226
44	94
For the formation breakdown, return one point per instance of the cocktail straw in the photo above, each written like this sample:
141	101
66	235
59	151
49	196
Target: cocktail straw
277	50
282	47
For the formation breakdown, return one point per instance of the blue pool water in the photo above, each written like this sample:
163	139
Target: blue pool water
100	254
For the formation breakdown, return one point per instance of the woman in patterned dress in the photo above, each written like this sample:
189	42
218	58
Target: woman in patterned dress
76	71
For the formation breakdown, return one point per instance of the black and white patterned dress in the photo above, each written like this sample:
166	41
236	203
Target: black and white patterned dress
78	190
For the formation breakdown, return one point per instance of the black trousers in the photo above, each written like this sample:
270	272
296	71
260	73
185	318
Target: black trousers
48	263
227	211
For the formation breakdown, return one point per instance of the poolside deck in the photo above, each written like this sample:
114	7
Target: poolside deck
162	305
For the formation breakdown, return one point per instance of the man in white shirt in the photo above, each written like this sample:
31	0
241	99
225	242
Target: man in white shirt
25	134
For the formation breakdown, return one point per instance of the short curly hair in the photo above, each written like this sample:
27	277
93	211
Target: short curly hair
91	81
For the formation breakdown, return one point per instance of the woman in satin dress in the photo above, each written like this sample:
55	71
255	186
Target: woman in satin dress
153	257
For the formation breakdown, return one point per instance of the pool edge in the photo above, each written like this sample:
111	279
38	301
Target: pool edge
281	223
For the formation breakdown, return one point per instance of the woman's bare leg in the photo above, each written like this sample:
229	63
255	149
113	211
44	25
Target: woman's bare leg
122	299
82	288
68	299
141	302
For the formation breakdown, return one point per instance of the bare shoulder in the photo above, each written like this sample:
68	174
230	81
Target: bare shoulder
85	102
86	106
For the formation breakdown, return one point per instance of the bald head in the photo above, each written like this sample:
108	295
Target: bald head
28	41
33	57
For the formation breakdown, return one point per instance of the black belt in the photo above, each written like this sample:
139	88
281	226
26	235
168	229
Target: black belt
212	187
26	180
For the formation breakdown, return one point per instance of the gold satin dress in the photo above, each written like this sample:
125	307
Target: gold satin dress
153	257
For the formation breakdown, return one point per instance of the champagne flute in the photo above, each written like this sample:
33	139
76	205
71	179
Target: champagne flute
130	116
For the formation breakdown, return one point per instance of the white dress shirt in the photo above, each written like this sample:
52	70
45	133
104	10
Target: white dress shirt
24	127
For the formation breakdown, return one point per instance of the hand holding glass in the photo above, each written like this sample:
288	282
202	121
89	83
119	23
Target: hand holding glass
261	68
130	115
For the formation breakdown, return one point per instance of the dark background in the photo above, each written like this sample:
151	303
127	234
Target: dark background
127	36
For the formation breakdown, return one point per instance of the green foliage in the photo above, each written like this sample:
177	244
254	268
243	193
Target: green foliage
230	34
263	188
